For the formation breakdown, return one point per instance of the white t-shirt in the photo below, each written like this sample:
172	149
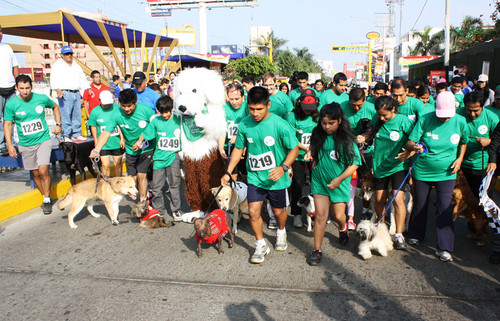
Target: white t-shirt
69	77
241	190
7	62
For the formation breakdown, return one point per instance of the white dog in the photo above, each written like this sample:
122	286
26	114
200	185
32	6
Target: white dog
307	202
232	198
373	237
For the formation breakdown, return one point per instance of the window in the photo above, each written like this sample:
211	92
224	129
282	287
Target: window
45	46
46	56
47	66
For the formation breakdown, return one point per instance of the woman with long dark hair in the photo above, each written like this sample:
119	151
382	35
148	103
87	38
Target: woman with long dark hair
335	157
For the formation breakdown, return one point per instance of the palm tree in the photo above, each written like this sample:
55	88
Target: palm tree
427	44
264	41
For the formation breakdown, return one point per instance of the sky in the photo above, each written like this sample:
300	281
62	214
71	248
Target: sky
317	24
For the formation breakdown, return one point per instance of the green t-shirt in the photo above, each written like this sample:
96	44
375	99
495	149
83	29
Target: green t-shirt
442	140
294	94
389	141
99	117
476	157
459	98
329	96
371	99
328	167
233	118
29	117
429	108
268	143
493	109
367	111
413	108
132	126
278	109
283	99
167	134
303	130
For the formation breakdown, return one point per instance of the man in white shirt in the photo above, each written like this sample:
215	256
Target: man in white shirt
9	70
67	78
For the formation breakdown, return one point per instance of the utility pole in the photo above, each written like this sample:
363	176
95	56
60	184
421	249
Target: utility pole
447	38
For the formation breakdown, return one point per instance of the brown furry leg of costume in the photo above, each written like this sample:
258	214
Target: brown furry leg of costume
202	175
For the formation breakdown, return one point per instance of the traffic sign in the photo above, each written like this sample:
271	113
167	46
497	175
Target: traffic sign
350	48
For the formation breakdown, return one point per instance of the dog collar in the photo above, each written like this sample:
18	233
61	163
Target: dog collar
311	214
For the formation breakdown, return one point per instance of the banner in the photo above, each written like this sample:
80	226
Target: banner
413	60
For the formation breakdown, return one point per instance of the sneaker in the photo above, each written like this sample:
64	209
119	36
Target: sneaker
351	226
67	140
272	225
297	221
400	243
314	258
47	208
414	242
177	215
259	254
444	256
281	242
495	258
79	138
344	237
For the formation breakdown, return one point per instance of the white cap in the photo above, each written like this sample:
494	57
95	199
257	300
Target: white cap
483	78
106	97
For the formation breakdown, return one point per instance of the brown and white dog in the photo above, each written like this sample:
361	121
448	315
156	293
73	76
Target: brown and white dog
85	193
232	198
464	202
213	228
154	220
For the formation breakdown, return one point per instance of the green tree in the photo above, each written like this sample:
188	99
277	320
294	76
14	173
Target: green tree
427	45
253	66
264	41
287	63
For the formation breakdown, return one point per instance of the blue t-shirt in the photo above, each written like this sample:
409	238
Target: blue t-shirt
147	97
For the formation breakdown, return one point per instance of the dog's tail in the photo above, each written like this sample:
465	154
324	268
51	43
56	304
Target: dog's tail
66	200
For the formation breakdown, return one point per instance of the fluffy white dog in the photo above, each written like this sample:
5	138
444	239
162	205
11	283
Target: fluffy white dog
373	238
199	98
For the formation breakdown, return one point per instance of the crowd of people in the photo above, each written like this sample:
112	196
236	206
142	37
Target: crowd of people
329	135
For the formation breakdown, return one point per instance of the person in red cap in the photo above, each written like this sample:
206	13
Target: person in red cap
303	119
444	135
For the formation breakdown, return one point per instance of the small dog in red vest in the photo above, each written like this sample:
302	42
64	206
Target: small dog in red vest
213	228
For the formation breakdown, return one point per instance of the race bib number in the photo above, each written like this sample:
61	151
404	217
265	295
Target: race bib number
169	144
232	130
113	133
261	162
306	139
32	127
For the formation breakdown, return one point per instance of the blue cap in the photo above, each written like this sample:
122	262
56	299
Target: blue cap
66	49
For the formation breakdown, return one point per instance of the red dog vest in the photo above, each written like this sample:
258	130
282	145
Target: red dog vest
218	225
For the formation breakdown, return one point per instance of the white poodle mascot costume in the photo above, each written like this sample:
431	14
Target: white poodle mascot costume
199	99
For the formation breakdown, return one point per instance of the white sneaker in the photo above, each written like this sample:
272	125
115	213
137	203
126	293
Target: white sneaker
79	138
67	140
259	254
444	256
281	242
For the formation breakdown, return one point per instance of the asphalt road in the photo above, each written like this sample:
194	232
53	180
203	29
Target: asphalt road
105	272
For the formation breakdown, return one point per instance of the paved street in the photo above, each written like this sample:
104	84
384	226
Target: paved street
103	272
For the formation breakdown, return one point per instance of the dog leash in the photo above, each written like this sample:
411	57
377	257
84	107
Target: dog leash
95	161
425	151
231	181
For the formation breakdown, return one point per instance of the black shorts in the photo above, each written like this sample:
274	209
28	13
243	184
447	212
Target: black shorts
139	163
277	198
382	184
112	152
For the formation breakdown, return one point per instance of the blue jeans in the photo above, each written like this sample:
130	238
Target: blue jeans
3	101
71	113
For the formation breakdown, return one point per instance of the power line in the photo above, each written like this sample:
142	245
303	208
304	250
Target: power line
413	28
16	6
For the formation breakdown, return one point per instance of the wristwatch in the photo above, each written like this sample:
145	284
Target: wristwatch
285	168
60	125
